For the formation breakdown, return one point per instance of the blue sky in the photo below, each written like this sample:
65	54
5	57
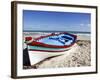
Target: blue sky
56	21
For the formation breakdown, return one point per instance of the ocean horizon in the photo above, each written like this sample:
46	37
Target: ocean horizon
57	31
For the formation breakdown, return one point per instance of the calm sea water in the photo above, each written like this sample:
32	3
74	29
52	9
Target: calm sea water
46	32
58	31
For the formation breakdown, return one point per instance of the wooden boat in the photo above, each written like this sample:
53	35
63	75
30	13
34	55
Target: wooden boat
51	43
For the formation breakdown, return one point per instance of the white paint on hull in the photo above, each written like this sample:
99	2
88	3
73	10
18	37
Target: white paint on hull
37	56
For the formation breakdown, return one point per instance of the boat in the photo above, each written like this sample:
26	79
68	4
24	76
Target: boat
54	42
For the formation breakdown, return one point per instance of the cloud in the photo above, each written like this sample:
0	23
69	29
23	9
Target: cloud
89	25
82	24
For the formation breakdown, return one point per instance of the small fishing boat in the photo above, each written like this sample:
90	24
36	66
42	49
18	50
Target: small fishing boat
54	42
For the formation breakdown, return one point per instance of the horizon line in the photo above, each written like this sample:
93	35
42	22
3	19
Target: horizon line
55	31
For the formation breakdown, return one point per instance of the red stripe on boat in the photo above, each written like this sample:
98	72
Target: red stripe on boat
35	43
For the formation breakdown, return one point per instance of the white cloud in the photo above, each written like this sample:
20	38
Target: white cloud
82	24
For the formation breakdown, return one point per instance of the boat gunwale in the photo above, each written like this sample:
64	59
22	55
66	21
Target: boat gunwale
35	43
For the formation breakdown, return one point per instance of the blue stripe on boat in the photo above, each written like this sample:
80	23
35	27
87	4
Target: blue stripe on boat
46	49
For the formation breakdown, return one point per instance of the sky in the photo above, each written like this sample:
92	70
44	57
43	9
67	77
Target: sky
56	21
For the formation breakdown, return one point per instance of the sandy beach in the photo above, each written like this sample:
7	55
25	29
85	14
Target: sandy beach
79	55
